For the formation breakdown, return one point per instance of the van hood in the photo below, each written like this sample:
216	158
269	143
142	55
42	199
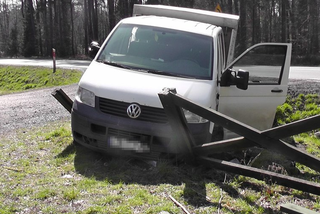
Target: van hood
137	87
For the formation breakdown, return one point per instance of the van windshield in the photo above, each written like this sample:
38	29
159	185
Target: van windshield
160	51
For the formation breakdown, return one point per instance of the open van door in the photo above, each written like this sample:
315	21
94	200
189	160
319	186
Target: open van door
256	83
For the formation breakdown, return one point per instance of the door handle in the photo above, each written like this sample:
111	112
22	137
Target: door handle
276	90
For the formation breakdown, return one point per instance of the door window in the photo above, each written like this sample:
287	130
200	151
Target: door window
264	64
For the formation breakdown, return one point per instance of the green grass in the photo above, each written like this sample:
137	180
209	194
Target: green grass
43	171
16	79
297	108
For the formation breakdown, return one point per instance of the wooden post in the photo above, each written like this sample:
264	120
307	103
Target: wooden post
284	180
54	59
295	209
63	98
182	140
260	138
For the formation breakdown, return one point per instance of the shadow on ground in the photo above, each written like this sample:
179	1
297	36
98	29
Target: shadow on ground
133	171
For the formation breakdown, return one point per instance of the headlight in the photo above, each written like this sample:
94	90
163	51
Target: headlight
193	118
85	96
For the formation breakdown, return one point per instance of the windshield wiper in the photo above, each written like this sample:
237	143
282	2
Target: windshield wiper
113	64
152	71
166	73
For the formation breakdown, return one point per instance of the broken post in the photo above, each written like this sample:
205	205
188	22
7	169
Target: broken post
63	99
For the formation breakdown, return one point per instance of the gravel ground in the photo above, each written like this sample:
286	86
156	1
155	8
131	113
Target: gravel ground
32	108
297	87
38	107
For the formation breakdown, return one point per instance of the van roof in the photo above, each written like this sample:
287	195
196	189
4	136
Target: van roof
204	16
172	23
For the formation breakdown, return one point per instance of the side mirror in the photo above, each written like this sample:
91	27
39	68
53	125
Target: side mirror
231	77
242	79
93	49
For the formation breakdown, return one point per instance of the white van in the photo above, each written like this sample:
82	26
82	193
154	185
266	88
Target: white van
117	109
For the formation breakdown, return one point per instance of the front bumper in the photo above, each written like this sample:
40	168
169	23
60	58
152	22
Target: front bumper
122	136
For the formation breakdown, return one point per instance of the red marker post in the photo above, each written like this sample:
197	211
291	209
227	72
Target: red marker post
54	59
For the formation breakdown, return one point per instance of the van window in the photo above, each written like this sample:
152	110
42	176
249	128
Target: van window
264	64
169	52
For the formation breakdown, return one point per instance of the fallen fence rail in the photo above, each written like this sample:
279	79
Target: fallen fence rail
268	139
294	209
63	99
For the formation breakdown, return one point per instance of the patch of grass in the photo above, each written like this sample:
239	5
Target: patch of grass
45	193
43	172
70	194
297	108
16	79
317	205
311	143
22	192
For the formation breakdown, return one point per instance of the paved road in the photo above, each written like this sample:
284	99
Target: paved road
73	64
296	72
299	72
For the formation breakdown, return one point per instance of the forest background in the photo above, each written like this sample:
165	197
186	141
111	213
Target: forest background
31	28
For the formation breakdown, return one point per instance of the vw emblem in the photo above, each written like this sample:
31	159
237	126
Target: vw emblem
134	110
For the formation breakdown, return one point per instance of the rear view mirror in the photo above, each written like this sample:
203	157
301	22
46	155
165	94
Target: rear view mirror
93	49
231	77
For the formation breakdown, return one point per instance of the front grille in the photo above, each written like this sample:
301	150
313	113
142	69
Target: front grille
118	108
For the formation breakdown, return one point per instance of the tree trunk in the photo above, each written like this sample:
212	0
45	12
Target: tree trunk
256	27
30	47
90	20
283	20
243	26
50	26
230	7
72	28
314	27
253	17
112	18
123	8
86	40
95	21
